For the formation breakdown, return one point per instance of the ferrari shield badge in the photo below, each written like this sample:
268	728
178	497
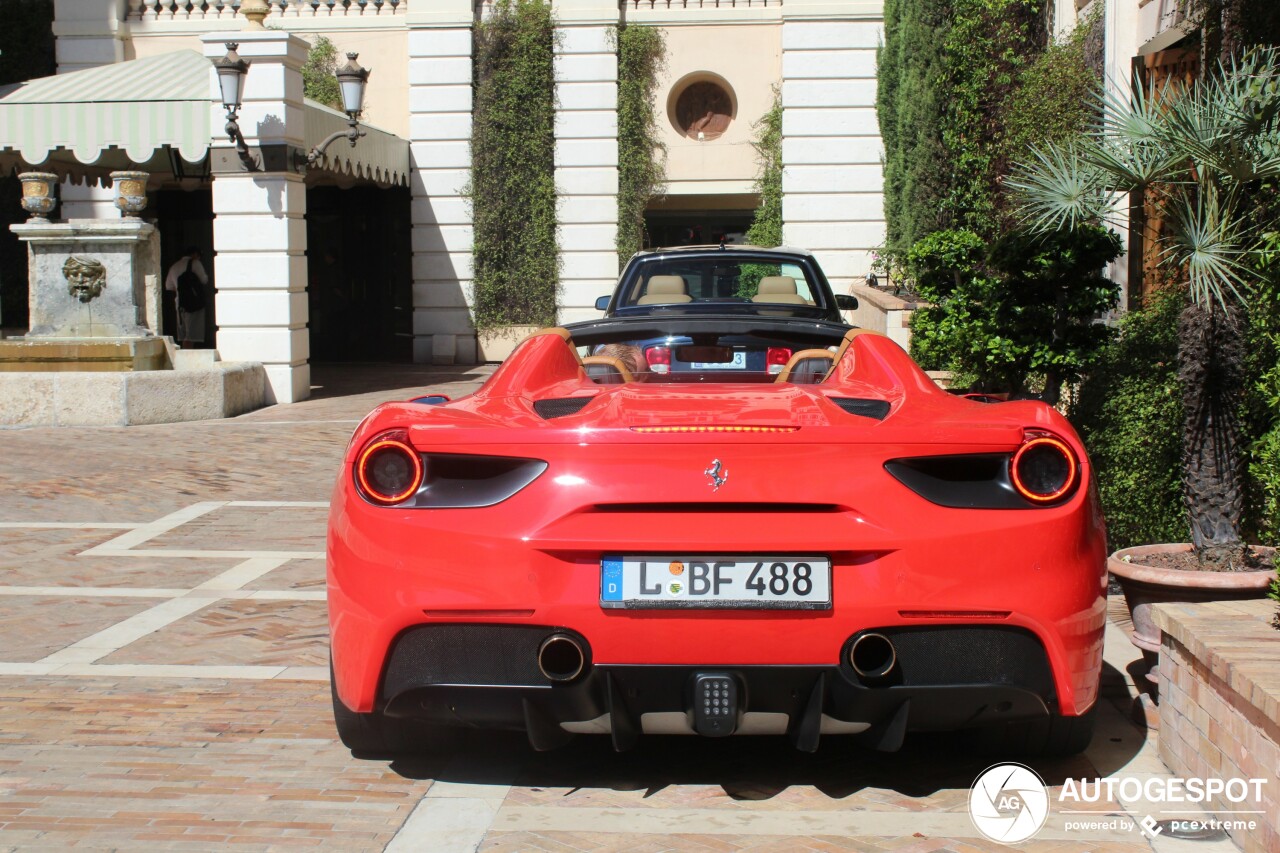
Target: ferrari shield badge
718	474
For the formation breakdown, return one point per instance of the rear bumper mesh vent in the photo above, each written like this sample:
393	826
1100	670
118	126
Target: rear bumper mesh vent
877	409
558	407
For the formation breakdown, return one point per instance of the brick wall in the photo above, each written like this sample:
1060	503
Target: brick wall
1220	704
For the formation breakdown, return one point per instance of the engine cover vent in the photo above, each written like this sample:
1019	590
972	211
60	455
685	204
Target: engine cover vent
877	409
558	407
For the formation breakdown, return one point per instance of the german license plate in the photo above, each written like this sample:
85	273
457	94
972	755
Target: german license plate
738	362
777	582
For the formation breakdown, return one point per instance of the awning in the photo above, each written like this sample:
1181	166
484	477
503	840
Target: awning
112	116
145	113
380	157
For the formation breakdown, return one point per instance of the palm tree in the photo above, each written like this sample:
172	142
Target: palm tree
1205	149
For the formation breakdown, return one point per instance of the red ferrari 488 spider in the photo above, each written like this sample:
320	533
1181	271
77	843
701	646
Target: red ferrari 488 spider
795	533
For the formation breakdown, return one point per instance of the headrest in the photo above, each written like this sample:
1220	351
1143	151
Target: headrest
777	284
666	285
665	290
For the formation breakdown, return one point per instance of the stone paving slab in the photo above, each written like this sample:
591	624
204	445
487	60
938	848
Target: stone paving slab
302	575
33	626
168	764
262	633
163	682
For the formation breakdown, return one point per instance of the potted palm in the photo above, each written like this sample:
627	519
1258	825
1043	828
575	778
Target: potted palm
1203	149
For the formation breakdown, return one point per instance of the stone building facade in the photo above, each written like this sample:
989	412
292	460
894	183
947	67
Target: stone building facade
819	54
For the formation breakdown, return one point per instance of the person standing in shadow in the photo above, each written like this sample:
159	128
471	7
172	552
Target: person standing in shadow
187	280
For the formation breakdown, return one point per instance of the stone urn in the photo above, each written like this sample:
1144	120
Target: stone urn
131	192
37	194
1145	586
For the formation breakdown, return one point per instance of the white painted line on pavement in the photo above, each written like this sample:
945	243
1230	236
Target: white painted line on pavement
235	422
152	592
237	576
93	591
141	534
127	631
450	821
71	525
150	670
219	555
229	672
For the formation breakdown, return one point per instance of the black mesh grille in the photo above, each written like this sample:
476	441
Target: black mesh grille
973	654
866	408
504	655
558	407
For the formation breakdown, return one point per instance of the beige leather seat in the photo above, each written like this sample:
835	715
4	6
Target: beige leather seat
665	290
780	290
607	370
807	367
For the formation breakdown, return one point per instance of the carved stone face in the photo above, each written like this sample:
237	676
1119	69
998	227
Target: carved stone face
85	277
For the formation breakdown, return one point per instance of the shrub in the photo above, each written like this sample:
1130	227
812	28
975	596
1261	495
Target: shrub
1129	413
512	192
318	82
1017	314
641	153
766	225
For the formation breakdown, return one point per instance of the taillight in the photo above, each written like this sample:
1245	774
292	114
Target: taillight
388	469
659	359
1044	469
776	358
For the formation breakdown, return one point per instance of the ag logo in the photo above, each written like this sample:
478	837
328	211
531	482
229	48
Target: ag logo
1008	803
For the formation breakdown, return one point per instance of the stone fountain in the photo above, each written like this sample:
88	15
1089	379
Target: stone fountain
94	353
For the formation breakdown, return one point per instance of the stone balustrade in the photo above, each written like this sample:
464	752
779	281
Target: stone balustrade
212	11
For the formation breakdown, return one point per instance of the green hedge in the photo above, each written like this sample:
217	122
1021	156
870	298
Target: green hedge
1129	413
512	190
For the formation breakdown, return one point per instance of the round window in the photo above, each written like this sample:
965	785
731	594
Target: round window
703	109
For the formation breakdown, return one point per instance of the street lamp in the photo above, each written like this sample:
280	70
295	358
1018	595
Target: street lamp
351	82
231	73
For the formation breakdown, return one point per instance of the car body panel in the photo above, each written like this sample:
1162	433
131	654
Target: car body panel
819	487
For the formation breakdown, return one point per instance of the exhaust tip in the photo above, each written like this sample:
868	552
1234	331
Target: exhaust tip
872	656
561	658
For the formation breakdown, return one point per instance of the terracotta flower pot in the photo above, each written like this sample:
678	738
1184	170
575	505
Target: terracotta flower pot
1145	586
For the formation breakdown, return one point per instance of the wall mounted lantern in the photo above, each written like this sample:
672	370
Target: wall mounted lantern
231	73
351	82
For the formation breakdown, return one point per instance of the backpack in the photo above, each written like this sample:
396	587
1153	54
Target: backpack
190	291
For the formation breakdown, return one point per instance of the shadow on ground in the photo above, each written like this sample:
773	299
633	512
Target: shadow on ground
754	768
344	380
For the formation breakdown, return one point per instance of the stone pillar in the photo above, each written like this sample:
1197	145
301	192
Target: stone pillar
259	225
440	145
586	154
87	34
832	181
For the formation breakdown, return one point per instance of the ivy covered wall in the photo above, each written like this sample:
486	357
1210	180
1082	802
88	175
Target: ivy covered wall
512	191
946	71
641	153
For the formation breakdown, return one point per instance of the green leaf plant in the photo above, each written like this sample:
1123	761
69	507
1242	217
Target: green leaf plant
1205	148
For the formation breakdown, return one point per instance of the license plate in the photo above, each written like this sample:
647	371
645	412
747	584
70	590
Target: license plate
778	582
739	362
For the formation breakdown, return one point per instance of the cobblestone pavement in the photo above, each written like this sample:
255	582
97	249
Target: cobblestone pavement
163	683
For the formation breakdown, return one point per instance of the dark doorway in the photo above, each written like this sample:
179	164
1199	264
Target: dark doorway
696	227
359	274
13	260
185	219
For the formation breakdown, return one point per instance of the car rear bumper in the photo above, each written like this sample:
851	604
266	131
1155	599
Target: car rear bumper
941	678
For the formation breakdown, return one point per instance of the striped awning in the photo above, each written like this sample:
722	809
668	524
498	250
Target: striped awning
380	157
131	107
140	114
